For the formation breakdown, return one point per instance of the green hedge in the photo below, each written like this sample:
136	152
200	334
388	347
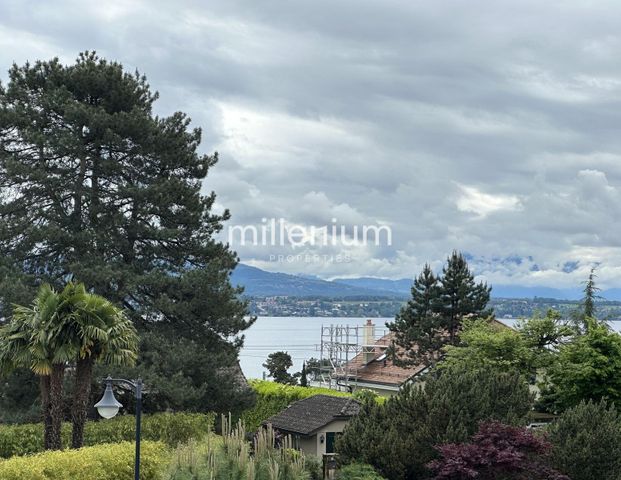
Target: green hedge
358	471
273	397
102	462
170	428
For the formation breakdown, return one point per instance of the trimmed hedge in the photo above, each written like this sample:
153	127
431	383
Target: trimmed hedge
273	397
170	428
102	462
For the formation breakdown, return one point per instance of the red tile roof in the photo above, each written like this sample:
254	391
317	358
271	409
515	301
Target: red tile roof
382	371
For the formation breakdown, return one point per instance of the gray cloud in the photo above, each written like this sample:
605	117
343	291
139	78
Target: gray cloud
487	127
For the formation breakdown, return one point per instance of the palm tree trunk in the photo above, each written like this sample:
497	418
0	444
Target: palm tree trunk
81	396
44	385
56	405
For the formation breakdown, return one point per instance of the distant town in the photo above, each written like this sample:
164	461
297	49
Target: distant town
291	306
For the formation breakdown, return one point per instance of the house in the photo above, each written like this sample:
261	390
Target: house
373	369
315	422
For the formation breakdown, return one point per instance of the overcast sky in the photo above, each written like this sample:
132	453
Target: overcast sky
488	127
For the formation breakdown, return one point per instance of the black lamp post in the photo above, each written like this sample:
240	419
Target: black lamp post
109	406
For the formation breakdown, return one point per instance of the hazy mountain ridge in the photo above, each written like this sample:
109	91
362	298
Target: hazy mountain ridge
261	283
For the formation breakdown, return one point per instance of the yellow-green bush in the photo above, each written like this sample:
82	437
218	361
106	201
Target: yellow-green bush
170	428
102	462
273	397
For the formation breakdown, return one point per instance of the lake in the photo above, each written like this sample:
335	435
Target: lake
300	337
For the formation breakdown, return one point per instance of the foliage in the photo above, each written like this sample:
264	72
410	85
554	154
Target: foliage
102	462
433	317
231	456
60	327
489	344
171	429
365	395
418	322
184	375
277	364
109	194
19	397
397	438
496	451
358	471
587	368
273	397
544	335
586	442
303	376
313	367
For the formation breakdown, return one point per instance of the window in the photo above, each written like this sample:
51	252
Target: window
330	441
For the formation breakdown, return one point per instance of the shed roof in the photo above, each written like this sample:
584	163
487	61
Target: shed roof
308	415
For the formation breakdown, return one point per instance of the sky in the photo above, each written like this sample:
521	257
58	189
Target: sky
487	127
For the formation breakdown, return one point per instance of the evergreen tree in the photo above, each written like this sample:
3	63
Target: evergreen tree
586	441
277	364
303	377
101	191
418	331
398	437
460	296
588	308
434	315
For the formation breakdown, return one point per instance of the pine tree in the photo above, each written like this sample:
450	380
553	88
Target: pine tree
99	190
277	364
587	310
417	330
433	316
460	296
303	377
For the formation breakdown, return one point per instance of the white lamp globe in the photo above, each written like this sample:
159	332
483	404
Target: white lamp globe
108	406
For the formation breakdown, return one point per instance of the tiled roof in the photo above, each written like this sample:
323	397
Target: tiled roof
382	371
307	415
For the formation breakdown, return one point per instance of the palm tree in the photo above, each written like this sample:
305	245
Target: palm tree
101	333
31	340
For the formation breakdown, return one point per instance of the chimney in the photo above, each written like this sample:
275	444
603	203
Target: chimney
368	341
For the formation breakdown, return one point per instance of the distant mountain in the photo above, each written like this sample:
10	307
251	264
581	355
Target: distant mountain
398	287
517	291
259	283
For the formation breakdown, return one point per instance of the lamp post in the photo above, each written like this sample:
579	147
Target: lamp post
109	406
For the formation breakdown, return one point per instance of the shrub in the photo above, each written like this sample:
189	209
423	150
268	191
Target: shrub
165	427
233	457
496	451
398	438
273	397
586	442
358	471
103	462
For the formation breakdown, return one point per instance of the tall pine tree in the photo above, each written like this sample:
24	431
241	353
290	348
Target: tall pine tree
417	329
460	296
433	316
98	189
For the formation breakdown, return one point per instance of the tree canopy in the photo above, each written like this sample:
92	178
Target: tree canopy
433	316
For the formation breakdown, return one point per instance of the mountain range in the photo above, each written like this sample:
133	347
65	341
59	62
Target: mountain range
261	283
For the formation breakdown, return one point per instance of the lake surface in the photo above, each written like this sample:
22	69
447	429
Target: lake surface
300	337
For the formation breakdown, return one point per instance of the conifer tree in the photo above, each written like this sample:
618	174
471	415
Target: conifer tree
98	189
303	376
433	316
417	329
460	296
